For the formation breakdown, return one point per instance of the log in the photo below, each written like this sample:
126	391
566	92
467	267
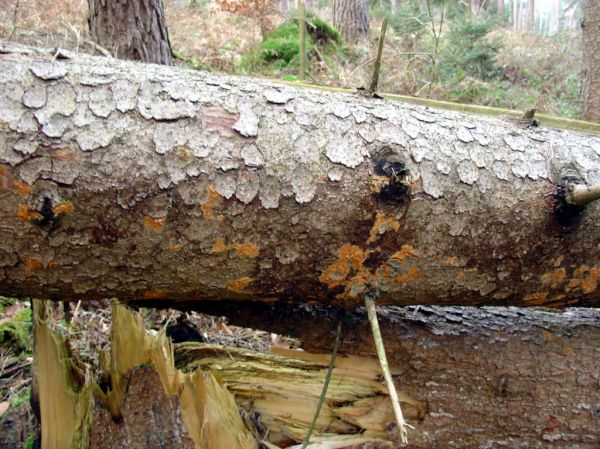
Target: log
490	377
142	182
469	378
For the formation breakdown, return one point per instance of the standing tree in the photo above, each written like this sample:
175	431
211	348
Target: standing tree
131	29
591	60
531	15
351	18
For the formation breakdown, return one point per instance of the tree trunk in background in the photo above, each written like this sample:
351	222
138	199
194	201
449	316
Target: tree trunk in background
591	60
141	181
351	18
394	6
531	16
501	9
131	29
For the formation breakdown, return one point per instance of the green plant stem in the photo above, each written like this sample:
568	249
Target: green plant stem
302	25
377	67
372	314
336	347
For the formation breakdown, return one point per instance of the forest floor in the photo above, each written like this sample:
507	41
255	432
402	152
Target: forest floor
524	71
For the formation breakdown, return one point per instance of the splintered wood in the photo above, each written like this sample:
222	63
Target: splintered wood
205	396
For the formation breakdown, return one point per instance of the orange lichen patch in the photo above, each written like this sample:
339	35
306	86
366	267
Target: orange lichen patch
588	284
26	214
175	247
154	294
580	271
535	299
245	249
404	252
51	265
450	261
412	274
63	208
23	188
382	225
378	182
219	246
555	277
155	224
239	284
32	264
349	257
213	199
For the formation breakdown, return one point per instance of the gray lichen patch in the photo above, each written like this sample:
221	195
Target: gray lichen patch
430	180
464	135
91	138
60	100
345	151
101	102
168	135
270	192
303	184
341	110
35	97
124	94
277	97
335	174
56	125
247	125
226	184
30	170
252	156
25	146
152	104
49	70
247	186
516	142
468	172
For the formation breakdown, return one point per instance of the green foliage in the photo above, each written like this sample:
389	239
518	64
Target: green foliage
281	48
16	333
470	52
29	442
22	397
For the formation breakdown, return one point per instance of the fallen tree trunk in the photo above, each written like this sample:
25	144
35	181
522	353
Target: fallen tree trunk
144	182
470	378
491	377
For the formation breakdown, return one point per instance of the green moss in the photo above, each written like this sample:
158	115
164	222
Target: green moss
16	333
281	48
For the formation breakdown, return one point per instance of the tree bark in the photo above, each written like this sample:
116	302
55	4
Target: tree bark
591	60
145	182
131	29
351	18
501	9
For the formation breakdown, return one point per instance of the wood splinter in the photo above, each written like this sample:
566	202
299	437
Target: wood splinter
400	422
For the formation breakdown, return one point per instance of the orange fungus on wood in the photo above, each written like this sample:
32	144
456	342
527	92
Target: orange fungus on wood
239	284
213	199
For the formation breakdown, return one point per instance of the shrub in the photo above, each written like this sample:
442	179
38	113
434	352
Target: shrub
470	52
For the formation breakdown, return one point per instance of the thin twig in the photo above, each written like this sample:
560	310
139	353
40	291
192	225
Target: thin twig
302	25
15	12
377	66
338	339
582	195
372	313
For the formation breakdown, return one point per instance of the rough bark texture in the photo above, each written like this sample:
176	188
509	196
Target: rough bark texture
351	18
591	60
131	29
151	419
491	377
135	181
501	8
